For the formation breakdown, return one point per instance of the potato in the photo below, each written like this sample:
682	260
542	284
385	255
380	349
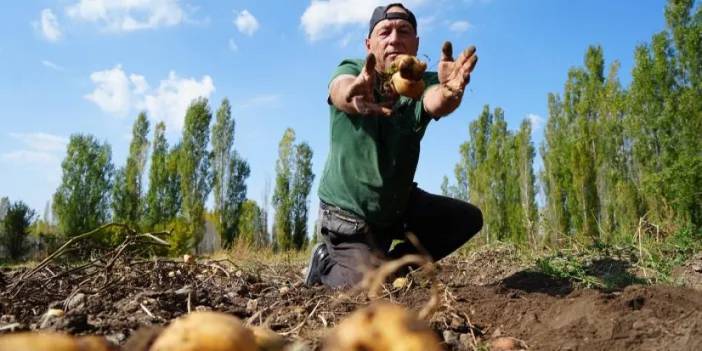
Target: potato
205	331
407	72
409	88
52	341
268	340
507	343
382	327
409	67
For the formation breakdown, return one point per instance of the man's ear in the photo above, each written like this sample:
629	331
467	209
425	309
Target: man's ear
367	44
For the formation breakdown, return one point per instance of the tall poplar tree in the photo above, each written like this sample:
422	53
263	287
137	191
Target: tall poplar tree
300	191
282	201
222	142
127	203
194	171
163	198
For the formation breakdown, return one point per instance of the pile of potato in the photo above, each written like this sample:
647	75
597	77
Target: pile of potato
380	326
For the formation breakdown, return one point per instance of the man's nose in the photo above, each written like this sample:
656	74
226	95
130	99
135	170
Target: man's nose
394	36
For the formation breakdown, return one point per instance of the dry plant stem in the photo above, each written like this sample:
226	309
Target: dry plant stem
260	312
132	235
638	234
147	311
374	281
299	326
68	243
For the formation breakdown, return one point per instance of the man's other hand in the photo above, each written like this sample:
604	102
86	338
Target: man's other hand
454	75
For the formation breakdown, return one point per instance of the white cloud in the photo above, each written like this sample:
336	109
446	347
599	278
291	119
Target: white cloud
113	92
170	101
232	45
346	39
40	149
246	23
140	84
128	15
260	100
459	26
41	141
536	121
323	17
31	157
51	65
49	26
119	94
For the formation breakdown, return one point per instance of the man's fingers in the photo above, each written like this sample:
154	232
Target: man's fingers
447	51
465	55
357	89
472	63
369	68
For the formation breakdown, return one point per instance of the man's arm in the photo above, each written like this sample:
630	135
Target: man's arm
339	90
442	99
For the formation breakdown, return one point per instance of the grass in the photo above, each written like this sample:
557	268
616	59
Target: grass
607	266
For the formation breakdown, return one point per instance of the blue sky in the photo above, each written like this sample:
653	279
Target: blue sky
80	66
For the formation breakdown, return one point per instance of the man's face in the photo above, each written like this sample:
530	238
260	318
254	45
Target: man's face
391	38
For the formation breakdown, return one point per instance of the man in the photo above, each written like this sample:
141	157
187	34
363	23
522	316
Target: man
368	197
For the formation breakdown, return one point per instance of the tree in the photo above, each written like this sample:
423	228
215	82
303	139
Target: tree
14	229
282	226
495	172
665	121
524	154
250	228
222	141
81	201
127	202
230	172
194	170
235	196
265	197
300	191
163	198
4	206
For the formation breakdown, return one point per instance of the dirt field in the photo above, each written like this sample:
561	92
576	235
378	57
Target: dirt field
483	295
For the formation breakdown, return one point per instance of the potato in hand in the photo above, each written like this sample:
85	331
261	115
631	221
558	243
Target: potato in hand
406	76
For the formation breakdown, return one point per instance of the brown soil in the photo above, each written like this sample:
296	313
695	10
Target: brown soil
483	296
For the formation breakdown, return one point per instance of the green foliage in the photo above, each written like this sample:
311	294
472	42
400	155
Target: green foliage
301	186
127	202
612	157
291	195
81	202
235	196
4	206
496	174
14	229
251	230
222	142
229	176
194	169
163	198
282	225
181	239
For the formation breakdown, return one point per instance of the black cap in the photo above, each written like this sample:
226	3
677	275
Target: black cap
381	13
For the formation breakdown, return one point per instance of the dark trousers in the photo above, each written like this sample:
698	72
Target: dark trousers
441	224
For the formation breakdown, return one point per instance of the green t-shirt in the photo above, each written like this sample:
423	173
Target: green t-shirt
372	159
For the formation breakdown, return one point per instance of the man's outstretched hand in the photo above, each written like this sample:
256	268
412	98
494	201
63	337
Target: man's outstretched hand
454	75
360	92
